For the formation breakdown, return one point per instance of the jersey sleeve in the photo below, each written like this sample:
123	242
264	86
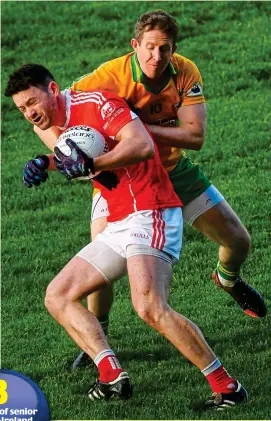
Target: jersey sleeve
114	114
190	84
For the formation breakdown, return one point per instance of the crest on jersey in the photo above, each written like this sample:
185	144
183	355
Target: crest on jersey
196	90
107	110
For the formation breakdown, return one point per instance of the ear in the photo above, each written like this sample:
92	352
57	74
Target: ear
134	43
53	88
174	48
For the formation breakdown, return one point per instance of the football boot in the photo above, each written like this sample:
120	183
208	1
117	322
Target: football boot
221	401
250	300
120	388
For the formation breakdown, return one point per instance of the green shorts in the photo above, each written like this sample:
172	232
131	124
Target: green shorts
188	180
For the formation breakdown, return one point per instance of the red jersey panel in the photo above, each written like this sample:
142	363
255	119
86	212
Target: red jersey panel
143	186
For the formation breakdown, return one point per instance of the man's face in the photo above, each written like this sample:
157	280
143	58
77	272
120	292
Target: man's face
38	107
154	52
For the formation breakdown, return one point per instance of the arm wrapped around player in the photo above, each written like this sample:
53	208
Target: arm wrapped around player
35	171
78	164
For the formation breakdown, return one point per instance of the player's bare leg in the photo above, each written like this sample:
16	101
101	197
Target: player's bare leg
148	276
223	226
99	302
63	300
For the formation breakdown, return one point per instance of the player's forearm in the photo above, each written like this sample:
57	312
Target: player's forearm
49	137
184	137
127	152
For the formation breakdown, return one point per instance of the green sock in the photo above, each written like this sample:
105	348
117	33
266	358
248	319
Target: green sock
226	275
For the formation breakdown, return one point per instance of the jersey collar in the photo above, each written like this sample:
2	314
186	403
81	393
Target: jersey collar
139	76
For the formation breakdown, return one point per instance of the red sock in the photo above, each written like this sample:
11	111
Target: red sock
220	381
108	366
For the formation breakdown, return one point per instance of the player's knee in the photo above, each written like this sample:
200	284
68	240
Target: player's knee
241	241
151	313
52	303
55	300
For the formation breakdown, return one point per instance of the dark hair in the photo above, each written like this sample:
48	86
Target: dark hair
26	76
157	19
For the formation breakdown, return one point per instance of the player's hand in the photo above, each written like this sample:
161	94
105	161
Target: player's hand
35	171
77	164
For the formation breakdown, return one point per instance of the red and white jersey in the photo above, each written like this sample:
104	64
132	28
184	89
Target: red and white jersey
142	186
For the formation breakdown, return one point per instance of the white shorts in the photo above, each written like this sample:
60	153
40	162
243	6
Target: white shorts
159	229
156	233
207	200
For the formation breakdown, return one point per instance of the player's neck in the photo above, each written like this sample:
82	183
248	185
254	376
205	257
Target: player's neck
61	111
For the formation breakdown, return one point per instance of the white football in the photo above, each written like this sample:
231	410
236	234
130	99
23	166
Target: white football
89	140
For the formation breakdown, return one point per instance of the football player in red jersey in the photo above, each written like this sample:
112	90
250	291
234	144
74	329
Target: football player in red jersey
143	237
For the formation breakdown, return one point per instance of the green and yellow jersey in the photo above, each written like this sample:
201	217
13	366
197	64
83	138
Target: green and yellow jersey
181	86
